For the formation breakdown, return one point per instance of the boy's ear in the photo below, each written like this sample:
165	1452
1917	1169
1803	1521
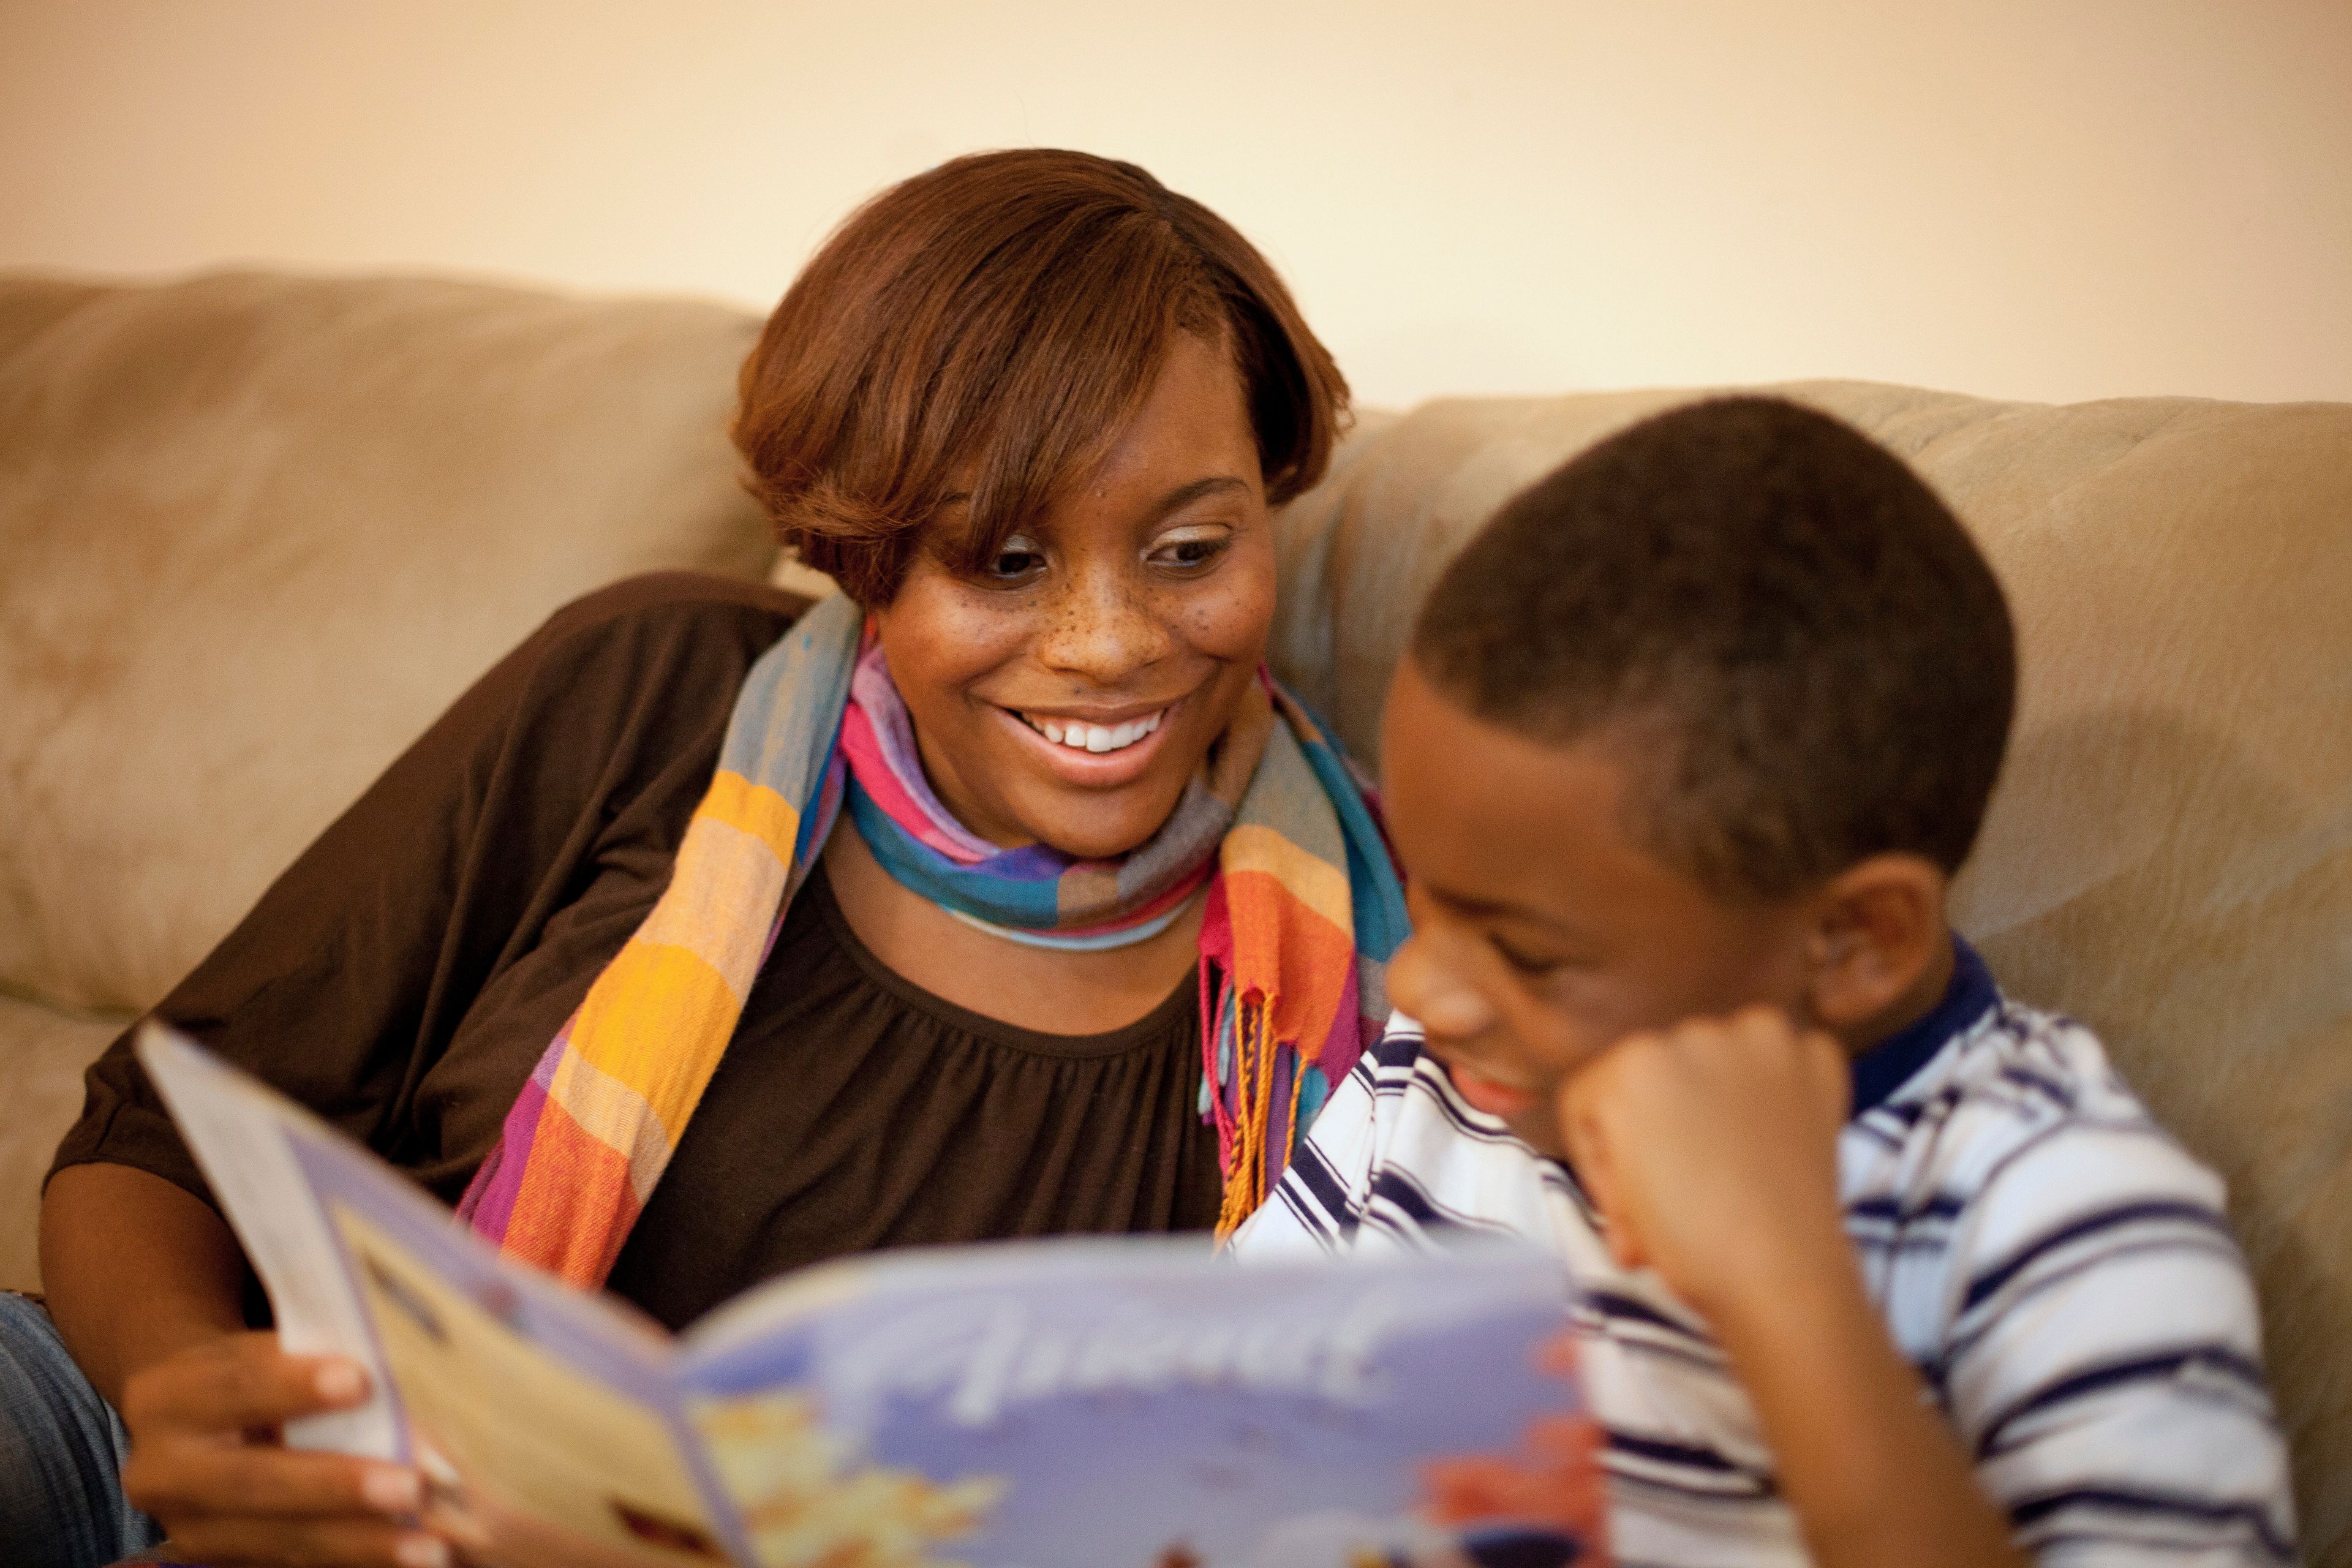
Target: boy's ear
1878	928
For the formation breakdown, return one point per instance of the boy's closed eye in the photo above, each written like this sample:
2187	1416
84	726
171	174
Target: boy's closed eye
1532	957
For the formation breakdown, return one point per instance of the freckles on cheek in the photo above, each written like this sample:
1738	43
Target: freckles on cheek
1208	630
1231	626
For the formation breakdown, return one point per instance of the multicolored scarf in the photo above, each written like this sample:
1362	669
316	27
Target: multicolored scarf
1303	911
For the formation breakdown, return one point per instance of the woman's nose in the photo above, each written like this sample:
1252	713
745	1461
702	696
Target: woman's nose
1102	629
1433	992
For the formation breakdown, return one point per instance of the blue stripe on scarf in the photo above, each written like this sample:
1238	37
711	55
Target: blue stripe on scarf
1008	901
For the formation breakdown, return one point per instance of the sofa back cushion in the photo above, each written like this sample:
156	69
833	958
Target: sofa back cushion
259	531
255	532
2169	853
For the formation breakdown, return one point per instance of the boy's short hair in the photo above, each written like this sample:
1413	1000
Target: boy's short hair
1811	660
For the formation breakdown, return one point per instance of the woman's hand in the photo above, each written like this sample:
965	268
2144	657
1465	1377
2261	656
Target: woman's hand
207	1460
162	1338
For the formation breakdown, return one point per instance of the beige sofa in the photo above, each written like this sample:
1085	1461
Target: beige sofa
255	532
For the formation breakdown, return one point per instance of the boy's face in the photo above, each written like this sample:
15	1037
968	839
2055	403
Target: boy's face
1542	932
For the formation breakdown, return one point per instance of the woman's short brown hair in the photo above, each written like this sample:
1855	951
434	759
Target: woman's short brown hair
983	332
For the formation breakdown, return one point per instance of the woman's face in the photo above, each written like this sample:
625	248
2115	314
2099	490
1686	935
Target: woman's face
1067	691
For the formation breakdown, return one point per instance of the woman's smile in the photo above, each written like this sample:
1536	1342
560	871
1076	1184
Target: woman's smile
1110	748
1084	735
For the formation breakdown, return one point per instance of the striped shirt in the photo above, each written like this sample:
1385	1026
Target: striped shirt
2056	1266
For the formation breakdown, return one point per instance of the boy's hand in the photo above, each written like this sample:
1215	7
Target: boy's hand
1711	1148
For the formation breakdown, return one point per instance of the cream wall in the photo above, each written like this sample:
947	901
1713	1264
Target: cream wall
2036	198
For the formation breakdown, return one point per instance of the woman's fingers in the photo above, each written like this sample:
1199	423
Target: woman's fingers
224	1498
187	1477
314	1544
238	1382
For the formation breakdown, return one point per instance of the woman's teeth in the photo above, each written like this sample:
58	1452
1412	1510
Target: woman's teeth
1095	737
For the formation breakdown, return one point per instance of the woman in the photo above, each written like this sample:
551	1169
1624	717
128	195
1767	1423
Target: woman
1001	896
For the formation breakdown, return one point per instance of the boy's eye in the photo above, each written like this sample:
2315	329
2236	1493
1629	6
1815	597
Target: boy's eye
1519	958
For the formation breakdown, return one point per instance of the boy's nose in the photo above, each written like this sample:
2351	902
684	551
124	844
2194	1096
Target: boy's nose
1433	992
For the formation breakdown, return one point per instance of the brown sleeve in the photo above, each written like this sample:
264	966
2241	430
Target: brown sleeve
403	976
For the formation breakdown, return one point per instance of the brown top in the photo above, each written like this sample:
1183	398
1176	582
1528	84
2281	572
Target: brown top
405	973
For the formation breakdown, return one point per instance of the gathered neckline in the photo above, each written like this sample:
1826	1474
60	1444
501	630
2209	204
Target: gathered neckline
1151	1029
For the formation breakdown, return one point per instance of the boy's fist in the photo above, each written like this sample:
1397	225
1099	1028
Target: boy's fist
1711	1148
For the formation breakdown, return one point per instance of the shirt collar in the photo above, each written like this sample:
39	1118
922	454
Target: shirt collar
1879	1071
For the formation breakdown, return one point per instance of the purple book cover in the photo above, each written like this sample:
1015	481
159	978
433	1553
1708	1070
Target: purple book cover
1116	1404
1075	1403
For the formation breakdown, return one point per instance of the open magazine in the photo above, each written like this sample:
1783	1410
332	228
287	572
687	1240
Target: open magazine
1095	1404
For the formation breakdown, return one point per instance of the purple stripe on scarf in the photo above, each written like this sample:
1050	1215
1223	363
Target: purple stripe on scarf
489	1201
871	687
1346	1041
1283	1065
1030	863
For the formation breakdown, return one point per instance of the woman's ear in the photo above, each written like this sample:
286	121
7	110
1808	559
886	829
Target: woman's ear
1878	935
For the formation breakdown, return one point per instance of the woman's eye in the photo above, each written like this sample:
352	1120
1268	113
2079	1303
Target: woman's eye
1186	554
1017	560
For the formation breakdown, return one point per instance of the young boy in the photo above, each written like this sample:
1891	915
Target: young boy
1875	1266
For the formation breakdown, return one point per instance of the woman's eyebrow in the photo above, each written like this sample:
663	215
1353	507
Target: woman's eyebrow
1183	496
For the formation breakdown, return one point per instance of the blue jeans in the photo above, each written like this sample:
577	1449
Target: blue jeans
61	1453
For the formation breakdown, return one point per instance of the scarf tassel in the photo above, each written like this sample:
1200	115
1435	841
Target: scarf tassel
1258	1088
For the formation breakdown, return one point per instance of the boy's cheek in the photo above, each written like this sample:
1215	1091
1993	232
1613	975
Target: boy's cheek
1538	1129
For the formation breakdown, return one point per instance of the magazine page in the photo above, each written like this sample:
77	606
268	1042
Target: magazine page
238	1132
1126	1403
548	1418
545	1418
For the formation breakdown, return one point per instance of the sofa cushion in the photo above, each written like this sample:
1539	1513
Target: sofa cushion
259	530
2169	853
